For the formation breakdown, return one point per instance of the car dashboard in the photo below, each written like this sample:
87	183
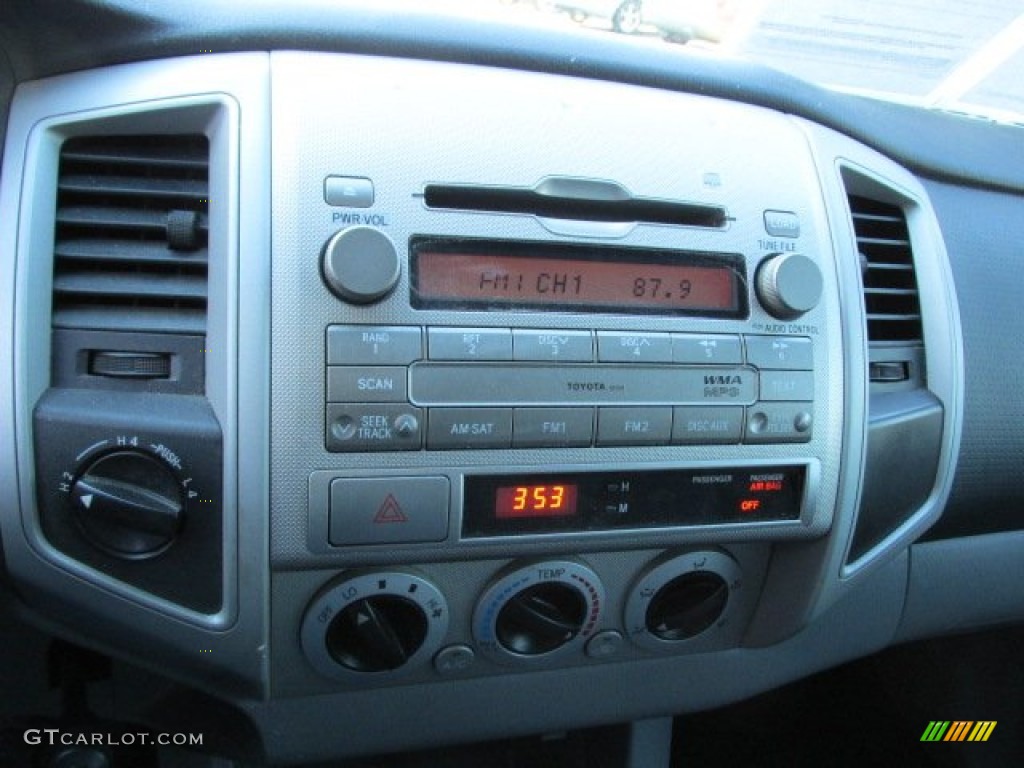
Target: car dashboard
362	375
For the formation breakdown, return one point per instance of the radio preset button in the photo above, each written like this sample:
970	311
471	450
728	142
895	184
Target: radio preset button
627	347
570	346
787	385
469	343
552	427
373	345
779	423
785	353
701	349
368	384
388	510
365	427
634	426
702	426
455	428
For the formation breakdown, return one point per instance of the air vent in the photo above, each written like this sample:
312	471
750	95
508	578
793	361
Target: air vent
131	237
890	287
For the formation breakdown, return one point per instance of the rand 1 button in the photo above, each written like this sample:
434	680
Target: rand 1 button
454	428
633	347
787	385
634	426
785	353
568	346
469	343
704	349
373	427
552	427
388	510
373	345
779	423
367	384
707	425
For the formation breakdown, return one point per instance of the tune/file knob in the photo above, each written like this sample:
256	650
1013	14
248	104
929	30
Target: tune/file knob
788	285
128	504
361	265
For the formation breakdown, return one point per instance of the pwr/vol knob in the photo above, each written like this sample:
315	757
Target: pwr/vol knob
538	611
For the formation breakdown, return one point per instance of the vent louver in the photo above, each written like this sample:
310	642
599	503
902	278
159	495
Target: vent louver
890	286
131	236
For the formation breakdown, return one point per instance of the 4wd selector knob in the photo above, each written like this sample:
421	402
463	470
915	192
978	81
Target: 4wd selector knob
788	284
128	504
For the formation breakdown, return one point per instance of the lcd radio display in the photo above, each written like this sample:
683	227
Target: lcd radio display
514	275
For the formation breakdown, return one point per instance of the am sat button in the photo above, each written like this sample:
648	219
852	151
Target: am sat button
388	510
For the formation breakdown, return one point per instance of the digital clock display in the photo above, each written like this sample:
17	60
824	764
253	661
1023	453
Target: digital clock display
495	275
518	501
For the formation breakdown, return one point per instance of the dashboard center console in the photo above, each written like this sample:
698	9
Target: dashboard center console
601	382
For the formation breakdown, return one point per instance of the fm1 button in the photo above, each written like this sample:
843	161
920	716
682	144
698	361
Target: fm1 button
388	510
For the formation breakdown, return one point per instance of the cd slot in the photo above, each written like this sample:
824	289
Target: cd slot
577	202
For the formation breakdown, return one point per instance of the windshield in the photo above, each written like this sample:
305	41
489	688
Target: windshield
947	54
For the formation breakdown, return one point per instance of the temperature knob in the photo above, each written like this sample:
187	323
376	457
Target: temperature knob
128	504
788	284
539	610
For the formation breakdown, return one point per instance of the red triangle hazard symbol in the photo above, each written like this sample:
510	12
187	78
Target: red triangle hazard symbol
390	512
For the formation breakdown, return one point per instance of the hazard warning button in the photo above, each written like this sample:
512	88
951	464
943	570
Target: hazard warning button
388	510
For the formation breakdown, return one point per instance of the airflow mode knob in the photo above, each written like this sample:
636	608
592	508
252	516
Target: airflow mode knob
538	611
788	285
361	265
374	625
681	598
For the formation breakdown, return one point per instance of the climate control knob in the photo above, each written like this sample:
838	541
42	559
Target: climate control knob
788	285
681	598
374	625
538	610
